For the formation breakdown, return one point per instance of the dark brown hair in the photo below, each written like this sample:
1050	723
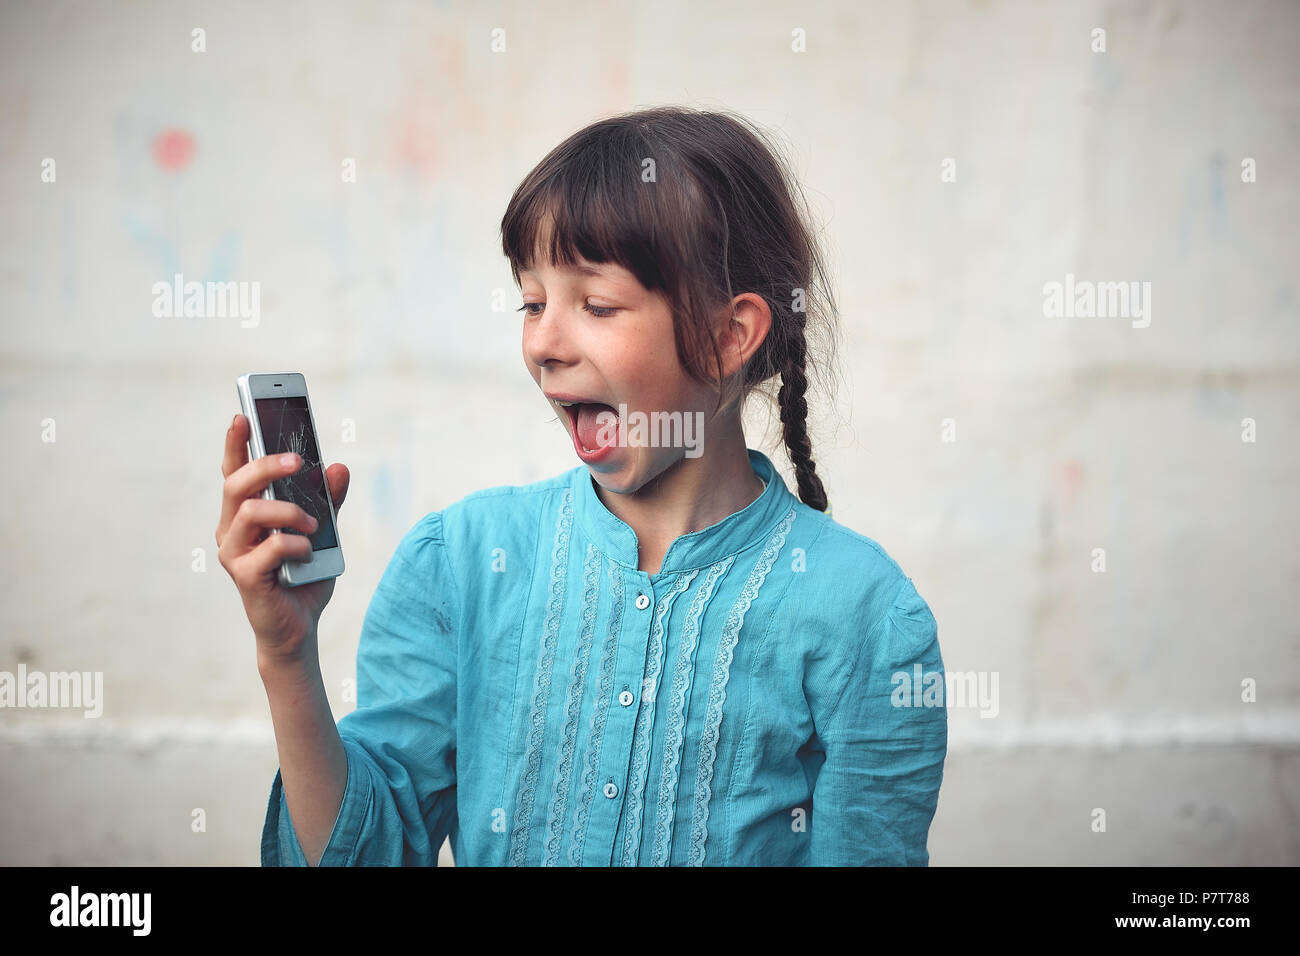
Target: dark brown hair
698	206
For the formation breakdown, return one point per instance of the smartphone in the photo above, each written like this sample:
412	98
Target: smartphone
280	420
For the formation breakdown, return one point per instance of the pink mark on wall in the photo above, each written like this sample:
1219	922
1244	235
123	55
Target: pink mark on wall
173	149
13	121
423	113
1069	478
417	141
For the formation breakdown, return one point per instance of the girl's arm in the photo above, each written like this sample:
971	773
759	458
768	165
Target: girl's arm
313	764
879	786
378	789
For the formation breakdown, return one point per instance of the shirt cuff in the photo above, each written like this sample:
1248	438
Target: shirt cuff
280	846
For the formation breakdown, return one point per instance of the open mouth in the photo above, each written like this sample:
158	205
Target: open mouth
587	425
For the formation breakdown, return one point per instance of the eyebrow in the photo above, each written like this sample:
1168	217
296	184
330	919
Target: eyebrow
596	271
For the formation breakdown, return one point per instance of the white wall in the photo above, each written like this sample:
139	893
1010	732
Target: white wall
1118	690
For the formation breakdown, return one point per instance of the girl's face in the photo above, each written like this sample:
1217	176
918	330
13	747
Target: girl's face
593	332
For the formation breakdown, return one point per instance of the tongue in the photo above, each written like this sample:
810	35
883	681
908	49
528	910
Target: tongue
592	429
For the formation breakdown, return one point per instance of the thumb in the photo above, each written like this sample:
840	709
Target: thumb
338	478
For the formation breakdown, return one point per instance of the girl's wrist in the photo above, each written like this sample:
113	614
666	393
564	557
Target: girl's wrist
286	671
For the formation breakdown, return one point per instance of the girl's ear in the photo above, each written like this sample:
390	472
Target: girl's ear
742	329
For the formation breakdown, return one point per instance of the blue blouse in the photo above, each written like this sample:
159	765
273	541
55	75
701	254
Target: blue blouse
524	689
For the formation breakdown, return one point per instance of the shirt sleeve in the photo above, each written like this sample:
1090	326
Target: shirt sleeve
885	745
400	801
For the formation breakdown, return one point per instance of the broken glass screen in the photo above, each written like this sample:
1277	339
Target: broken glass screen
286	426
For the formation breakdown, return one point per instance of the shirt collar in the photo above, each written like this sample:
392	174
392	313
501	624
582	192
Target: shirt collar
696	549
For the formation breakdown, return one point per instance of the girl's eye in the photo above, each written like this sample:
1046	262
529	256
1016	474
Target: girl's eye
599	311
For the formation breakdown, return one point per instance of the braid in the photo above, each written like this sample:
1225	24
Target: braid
794	417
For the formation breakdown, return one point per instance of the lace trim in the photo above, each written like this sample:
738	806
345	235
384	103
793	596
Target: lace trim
674	736
542	683
644	722
582	812
572	704
718	691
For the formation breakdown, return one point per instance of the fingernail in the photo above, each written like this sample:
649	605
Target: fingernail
288	460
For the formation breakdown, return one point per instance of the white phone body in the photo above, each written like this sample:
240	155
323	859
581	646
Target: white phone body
280	420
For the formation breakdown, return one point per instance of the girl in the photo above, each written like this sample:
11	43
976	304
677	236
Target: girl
661	657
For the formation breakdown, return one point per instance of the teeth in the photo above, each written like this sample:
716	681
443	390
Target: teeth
565	404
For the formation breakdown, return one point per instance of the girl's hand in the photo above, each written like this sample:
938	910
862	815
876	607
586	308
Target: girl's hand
284	619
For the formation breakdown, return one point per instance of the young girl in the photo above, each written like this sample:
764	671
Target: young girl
661	657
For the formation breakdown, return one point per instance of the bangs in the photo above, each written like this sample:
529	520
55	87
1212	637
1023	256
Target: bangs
587	201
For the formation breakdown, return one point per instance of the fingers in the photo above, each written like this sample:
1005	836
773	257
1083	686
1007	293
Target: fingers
338	477
252	517
234	458
248	482
236	448
245	482
263	562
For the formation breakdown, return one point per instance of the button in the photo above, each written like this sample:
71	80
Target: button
611	791
642	601
626	698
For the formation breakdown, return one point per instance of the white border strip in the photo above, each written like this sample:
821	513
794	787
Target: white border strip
966	732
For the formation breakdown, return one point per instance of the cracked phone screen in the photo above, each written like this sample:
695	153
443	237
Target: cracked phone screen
286	426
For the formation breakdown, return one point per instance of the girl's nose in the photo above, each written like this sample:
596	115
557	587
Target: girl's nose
546	340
